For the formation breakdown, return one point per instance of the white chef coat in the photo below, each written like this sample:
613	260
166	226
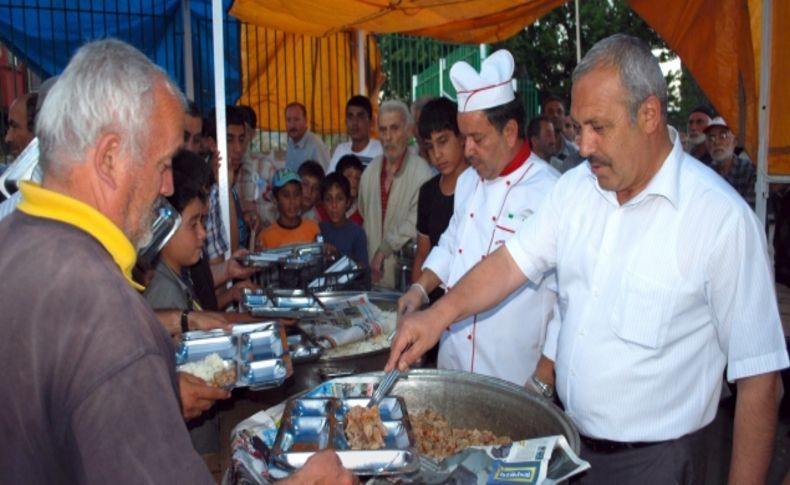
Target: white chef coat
505	341
655	297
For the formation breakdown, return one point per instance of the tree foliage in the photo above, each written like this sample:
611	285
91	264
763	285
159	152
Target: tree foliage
546	50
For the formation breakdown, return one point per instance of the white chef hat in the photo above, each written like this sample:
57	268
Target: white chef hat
493	86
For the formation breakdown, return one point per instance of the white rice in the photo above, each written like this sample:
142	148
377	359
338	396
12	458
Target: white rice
205	368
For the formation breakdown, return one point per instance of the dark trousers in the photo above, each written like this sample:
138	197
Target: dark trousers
680	461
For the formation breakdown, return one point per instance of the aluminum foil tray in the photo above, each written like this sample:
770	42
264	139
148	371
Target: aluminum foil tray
311	425
258	351
281	303
302	347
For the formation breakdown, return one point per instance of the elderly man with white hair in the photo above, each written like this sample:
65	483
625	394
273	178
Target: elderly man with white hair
389	190
89	371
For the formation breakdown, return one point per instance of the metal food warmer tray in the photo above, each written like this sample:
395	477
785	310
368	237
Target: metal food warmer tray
259	353
313	424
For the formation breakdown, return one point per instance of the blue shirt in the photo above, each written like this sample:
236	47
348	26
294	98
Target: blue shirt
349	239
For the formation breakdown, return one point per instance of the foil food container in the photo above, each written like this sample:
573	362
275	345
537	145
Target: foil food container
258	352
313	424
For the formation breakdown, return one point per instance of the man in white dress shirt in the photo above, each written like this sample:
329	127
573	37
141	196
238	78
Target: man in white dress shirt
663	281
505	184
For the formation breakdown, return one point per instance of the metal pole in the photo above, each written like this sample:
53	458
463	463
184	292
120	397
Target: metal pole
219	100
362	87
763	116
578	34
189	77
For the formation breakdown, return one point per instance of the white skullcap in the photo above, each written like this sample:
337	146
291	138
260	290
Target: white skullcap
491	87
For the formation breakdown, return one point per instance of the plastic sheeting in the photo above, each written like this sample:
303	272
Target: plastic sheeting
46	33
719	41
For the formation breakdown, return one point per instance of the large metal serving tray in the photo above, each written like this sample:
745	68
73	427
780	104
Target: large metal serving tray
258	351
313	424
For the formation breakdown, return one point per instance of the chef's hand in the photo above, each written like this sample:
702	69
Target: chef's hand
377	267
208	321
417	333
411	301
197	395
323	468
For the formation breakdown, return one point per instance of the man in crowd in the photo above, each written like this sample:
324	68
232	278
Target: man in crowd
92	369
698	120
193	128
663	281
565	150
739	172
388	192
507	185
359	116
542	139
21	115
303	144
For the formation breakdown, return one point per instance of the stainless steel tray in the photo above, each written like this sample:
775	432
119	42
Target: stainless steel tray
311	425
258	351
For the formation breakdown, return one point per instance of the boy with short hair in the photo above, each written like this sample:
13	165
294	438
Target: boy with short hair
290	227
350	166
312	173
349	239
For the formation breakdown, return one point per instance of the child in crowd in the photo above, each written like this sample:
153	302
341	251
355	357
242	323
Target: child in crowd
349	239
171	286
171	289
350	167
312	173
289	228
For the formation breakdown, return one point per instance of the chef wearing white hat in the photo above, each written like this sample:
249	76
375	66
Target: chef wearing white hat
504	185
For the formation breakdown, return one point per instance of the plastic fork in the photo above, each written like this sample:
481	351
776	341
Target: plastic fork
384	387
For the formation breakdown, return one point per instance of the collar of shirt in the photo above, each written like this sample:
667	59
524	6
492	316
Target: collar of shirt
517	161
40	202
665	183
299	144
184	282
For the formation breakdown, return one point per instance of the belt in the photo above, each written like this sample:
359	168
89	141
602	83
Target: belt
606	446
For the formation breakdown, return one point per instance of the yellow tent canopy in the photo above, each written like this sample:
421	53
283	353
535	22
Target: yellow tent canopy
718	41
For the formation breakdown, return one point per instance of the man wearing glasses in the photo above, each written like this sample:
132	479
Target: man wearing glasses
739	172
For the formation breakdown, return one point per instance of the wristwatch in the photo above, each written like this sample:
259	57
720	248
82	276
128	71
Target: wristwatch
546	390
185	321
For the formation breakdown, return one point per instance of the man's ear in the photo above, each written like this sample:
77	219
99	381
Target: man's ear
107	160
649	117
510	132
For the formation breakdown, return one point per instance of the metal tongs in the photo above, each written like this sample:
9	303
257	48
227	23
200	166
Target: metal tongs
384	387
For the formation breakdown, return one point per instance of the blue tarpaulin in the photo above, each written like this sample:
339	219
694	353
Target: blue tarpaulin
45	33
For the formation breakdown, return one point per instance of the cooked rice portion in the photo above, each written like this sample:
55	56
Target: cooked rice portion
364	429
437	439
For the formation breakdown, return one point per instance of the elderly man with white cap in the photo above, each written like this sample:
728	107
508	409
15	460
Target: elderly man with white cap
504	185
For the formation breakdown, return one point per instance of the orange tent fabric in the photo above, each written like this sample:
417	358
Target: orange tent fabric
280	68
719	40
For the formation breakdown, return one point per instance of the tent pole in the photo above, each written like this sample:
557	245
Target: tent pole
578	34
189	77
219	103
362	87
763	114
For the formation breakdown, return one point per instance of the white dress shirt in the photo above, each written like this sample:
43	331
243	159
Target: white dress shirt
505	341
656	297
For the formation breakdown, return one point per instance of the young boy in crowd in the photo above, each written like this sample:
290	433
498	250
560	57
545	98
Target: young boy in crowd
290	227
312	173
350	167
347	238
171	289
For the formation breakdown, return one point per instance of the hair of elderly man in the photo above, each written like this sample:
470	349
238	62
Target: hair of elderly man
108	85
498	116
640	73
396	106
